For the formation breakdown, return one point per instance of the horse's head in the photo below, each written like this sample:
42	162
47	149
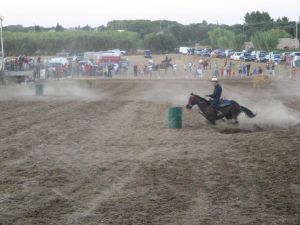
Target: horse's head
195	99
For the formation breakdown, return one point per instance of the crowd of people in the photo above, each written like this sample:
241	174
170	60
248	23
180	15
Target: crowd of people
202	68
78	68
22	63
231	68
57	70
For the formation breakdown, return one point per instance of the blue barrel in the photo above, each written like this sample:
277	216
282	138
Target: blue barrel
175	117
39	89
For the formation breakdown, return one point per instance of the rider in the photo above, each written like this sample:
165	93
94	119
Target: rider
166	59
216	95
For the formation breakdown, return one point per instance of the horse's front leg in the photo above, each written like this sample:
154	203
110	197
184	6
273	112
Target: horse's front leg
211	122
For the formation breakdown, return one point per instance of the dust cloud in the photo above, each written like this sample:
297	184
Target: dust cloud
52	90
174	94
273	105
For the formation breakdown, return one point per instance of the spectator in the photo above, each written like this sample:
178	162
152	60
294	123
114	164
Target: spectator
244	70
216	70
222	71
200	70
190	65
293	73
254	72
240	69
135	70
248	69
273	69
260	70
87	69
110	68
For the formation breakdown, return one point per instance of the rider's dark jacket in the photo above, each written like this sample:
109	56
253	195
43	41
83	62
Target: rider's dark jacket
216	96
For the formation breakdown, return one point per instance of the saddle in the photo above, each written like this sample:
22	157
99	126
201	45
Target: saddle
225	102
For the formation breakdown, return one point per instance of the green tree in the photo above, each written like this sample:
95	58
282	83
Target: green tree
72	41
282	20
268	40
59	28
221	38
160	42
86	28
257	17
240	40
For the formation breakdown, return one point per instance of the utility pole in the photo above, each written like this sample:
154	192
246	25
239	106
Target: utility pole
2	50
296	34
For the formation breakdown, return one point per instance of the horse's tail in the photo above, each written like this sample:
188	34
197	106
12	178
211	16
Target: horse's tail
248	112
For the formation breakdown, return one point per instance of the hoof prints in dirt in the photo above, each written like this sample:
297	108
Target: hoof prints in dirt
255	128
235	130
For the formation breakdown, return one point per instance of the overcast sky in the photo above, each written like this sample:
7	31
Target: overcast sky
99	12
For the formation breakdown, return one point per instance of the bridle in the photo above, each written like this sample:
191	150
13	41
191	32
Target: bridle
200	102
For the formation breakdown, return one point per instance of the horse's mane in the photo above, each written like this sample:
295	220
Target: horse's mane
203	99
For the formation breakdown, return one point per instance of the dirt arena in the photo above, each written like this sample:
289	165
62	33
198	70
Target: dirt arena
99	152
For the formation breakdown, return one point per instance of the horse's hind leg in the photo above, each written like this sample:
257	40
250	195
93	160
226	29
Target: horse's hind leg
234	118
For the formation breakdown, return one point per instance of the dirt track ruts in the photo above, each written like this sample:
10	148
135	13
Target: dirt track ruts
113	160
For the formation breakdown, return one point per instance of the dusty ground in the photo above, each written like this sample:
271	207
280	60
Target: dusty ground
100	152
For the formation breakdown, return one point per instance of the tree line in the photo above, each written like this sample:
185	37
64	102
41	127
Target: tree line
159	36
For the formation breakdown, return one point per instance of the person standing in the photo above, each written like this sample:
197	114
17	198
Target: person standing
135	70
260	70
87	69
240	69
244	70
216	70
248	69
273	69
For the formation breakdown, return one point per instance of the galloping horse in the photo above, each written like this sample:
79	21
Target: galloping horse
230	111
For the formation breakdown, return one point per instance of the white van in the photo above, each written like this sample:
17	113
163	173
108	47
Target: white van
184	50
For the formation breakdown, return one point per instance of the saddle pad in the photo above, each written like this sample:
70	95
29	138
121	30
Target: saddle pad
225	102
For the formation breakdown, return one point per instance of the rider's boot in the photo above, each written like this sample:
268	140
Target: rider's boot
219	114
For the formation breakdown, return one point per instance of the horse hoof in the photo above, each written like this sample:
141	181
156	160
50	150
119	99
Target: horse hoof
211	124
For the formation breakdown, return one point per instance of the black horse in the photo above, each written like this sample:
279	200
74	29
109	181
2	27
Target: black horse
230	111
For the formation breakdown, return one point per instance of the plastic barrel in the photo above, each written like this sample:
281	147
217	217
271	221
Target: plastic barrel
39	90
175	117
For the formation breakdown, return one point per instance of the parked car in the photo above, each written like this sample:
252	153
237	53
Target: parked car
293	54
218	53
246	57
229	52
253	55
274	53
236	56
275	58
261	56
205	52
185	50
198	51
147	54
